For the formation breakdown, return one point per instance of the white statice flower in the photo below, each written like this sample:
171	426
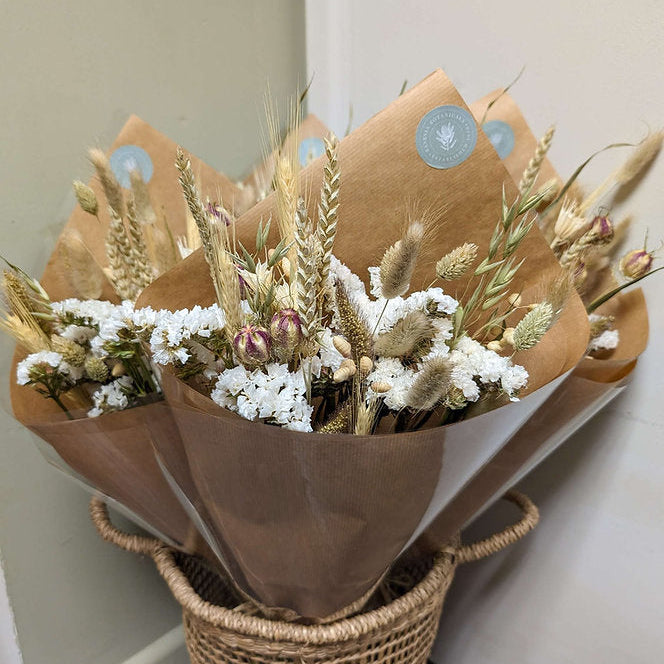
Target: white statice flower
86	312
474	365
444	332
45	358
81	334
271	393
173	332
111	397
375	286
329	356
606	340
390	370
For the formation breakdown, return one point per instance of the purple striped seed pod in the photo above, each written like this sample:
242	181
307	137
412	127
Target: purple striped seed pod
601	228
636	263
286	329
252	345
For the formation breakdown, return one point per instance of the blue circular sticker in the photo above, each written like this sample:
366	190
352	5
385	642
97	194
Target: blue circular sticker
129	158
446	136
501	136
310	149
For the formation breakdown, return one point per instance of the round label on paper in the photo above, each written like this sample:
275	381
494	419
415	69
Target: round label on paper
501	136
446	136
310	149
129	158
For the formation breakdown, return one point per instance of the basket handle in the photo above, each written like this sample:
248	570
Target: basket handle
486	547
109	533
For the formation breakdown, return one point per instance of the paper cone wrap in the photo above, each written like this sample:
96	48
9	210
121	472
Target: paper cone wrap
310	522
113	453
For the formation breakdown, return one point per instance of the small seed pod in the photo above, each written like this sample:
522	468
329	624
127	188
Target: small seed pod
380	387
601	229
343	373
636	263
118	370
514	300
508	336
496	346
342	346
286	329
252	345
366	365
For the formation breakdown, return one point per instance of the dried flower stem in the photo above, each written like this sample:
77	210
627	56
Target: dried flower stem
225	279
535	164
120	259
194	203
328	212
398	264
142	268
307	272
83	272
644	153
109	183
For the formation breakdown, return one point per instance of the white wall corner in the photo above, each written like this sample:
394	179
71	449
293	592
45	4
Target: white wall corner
329	56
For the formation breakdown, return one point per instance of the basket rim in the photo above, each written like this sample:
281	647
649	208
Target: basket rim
344	629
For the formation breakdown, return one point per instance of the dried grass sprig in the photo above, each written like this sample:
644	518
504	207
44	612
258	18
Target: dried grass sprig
535	164
431	385
142	270
365	417
82	271
120	259
398	263
195	204
141	196
353	326
20	321
109	183
226	280
457	262
307	276
405	336
634	165
86	198
533	326
328	212
340	421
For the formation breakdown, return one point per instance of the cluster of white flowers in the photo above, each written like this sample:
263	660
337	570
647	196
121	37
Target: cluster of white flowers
172	330
390	370
272	394
88	313
381	314
48	362
607	340
111	397
472	363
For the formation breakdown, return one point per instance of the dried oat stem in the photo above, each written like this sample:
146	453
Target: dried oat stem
142	272
120	258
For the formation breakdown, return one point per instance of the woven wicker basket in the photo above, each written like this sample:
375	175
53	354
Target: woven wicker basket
397	625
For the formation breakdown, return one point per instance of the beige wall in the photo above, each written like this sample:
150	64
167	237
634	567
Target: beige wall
587	586
71	74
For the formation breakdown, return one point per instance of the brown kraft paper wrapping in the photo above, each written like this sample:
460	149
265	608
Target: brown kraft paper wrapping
594	382
113	453
314	520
